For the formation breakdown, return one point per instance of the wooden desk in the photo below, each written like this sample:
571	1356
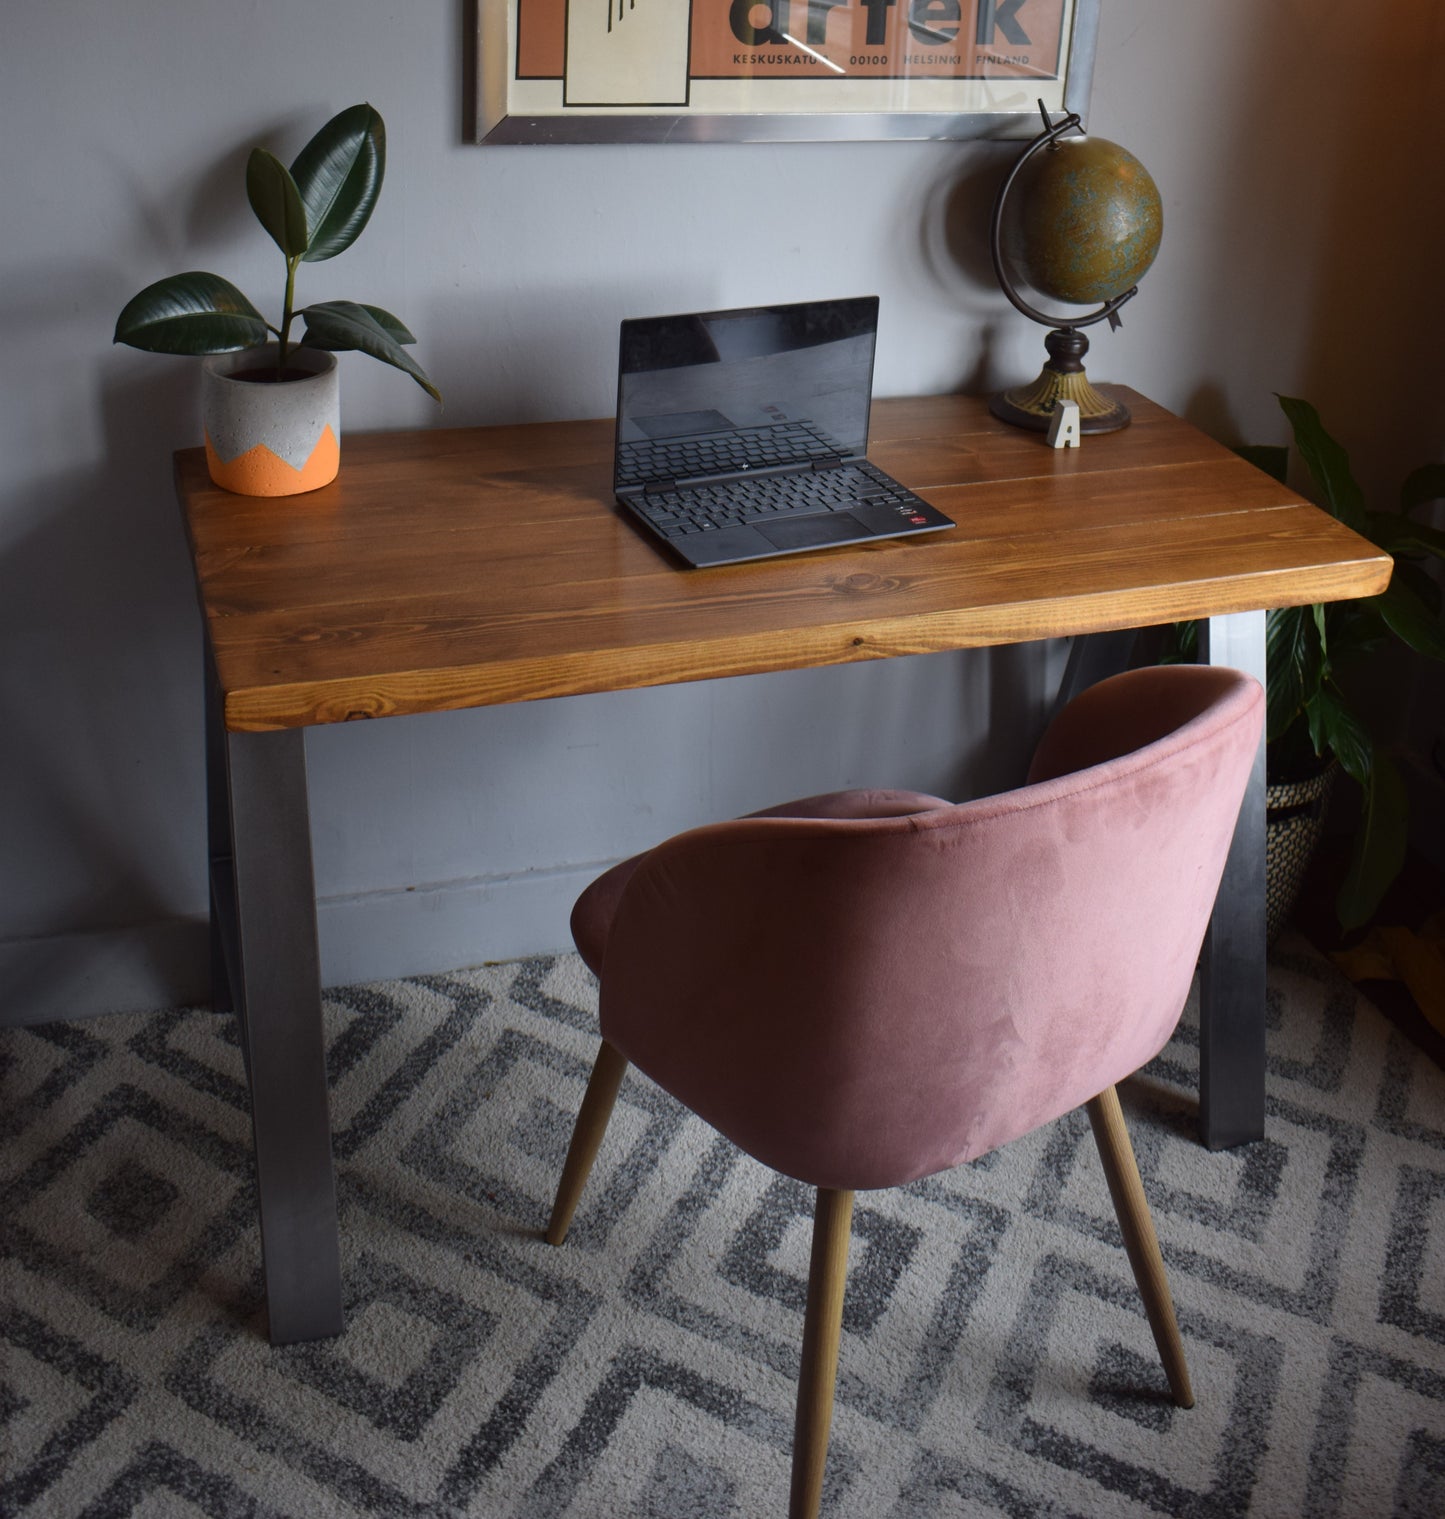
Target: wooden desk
468	567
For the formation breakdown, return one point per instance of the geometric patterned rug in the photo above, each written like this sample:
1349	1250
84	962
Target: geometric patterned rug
995	1356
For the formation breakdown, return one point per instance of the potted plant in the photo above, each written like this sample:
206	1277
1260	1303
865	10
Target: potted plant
270	408
1313	730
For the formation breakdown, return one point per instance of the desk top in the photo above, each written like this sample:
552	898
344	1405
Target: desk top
470	566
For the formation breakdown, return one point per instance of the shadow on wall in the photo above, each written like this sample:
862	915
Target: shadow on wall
1209	410
101	770
1373	362
1374	358
1328	228
954	214
520	355
1330	207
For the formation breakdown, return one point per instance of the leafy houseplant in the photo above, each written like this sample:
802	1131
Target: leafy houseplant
1310	649
312	211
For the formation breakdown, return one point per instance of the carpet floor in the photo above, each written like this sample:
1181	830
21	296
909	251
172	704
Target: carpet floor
995	1356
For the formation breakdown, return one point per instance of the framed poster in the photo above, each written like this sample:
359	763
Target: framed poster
571	71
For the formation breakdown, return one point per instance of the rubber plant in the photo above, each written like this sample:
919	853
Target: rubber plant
1310	650
314	210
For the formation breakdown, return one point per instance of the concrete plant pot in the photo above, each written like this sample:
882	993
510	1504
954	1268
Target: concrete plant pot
269	437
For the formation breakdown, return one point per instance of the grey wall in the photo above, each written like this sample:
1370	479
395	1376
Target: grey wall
1301	234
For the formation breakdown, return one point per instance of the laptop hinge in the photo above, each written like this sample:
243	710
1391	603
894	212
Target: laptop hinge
728	476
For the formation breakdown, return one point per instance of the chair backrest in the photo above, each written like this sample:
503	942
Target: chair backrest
861	1002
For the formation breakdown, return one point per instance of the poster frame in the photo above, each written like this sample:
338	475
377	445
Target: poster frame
496	117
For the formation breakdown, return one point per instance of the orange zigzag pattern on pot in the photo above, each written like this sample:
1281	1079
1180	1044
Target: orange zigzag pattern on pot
259	472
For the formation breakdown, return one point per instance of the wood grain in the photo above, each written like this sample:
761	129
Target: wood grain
464	567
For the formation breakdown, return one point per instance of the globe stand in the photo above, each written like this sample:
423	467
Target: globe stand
1061	379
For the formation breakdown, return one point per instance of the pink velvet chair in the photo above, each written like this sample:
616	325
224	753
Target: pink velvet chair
865	988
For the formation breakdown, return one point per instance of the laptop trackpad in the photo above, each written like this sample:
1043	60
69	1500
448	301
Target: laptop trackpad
809	532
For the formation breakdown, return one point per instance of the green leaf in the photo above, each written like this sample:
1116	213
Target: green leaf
1328	463
393	326
344	325
1322	628
1398	535
1179	644
1356	629
1415	577
1294	659
338	174
276	201
1410	620
1422	486
1379	848
191	313
1334	729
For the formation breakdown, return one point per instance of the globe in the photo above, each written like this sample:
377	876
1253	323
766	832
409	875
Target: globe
1077	219
1083	221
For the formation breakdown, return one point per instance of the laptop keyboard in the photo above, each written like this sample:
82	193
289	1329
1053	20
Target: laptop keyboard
719	454
733	503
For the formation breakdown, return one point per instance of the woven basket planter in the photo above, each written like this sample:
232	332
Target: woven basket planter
1294	822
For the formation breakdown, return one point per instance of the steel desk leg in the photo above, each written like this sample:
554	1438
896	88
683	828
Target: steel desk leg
1231	992
263	924
1231	1011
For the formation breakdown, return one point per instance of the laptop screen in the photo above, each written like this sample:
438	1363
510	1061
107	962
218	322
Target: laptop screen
787	383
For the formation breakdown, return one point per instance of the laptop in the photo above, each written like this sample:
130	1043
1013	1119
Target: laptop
743	434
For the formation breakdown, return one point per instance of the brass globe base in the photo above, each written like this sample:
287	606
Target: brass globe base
1033	405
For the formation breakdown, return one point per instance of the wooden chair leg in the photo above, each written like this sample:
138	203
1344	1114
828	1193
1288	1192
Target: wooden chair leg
591	1125
1140	1241
822	1325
